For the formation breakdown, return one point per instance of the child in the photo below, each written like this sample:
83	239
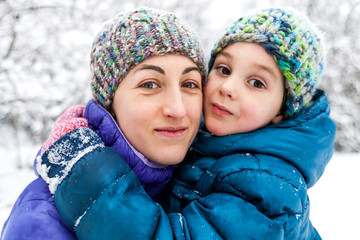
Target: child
148	72
273	139
273	135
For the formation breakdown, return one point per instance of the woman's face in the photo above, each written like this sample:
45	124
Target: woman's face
158	107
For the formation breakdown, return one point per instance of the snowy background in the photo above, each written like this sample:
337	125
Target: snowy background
44	69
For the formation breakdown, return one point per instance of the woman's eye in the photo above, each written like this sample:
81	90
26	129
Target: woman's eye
223	70
149	85
190	85
256	83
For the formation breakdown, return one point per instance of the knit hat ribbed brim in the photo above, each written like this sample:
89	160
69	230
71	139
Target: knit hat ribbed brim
292	40
132	37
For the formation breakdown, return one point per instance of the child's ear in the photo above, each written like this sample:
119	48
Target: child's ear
278	118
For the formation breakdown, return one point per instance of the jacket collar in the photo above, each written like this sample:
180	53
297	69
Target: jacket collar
305	141
153	176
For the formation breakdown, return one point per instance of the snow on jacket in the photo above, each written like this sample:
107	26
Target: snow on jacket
243	186
34	215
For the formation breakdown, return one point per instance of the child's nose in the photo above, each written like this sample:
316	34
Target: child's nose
228	88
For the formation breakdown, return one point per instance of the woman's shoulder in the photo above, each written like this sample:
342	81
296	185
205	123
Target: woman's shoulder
36	191
34	215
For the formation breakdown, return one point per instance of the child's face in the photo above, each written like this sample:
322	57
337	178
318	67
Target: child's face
158	107
244	91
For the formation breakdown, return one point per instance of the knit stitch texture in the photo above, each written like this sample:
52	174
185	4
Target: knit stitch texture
292	40
133	37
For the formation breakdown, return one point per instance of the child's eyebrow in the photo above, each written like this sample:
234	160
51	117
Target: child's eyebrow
265	68
151	67
256	65
225	54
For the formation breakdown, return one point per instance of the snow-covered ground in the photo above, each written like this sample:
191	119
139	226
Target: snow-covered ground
335	199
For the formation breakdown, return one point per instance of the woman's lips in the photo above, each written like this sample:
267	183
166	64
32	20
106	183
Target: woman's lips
171	132
220	110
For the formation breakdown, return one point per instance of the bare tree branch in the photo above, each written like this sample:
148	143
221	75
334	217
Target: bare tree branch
12	44
13	11
348	20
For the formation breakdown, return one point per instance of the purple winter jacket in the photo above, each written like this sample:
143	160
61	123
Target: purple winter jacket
34	215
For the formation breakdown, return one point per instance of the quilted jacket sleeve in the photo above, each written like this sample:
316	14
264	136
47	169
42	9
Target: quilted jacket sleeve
99	196
96	192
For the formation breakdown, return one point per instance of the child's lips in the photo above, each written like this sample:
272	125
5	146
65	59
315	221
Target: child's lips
220	110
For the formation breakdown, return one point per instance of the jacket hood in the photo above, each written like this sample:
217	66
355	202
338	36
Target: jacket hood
306	140
155	177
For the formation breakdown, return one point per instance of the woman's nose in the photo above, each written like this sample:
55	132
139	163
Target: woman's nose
173	105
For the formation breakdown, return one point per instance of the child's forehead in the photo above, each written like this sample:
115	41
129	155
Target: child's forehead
249	54
225	53
255	50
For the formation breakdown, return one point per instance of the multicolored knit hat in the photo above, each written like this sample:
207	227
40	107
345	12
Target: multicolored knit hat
292	40
133	37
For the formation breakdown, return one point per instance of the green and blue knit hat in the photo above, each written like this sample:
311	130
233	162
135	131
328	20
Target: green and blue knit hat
295	44
132	37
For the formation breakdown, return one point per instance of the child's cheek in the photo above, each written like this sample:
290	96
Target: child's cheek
253	113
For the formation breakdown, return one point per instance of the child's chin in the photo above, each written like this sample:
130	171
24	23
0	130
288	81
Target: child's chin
215	129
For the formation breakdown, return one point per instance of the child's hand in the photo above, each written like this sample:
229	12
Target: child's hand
71	119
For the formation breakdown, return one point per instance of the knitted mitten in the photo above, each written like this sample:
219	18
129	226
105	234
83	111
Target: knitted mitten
71	119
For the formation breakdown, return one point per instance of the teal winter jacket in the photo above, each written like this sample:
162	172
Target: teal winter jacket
254	185
243	186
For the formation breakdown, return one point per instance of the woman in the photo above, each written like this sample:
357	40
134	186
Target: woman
148	73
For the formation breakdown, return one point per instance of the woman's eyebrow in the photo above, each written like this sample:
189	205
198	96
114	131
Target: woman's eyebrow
151	67
189	69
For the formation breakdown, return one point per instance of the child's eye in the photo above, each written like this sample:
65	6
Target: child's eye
223	70
256	83
190	85
149	85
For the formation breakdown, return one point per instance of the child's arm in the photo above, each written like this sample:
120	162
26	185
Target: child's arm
100	197
96	192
